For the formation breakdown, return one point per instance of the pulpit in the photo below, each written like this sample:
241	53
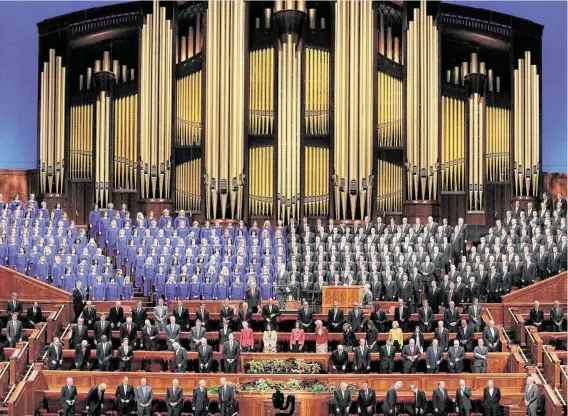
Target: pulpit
306	404
345	295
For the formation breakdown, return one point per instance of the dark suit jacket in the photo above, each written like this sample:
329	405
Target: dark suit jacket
387	360
390	400
93	400
78	336
443	339
199	401
233	353
68	394
90	314
342	400
339	317
99	332
180	359
339	360
130	335
205	357
440	401
465	336
491	402
361	361
253	299
266	315
226	397
120	394
536	317
80	358
370	400
34	317
420	401
182	319
227	313
116	315
139	317
202	316
463	402
12	308
305	319
177	398
106	354
244	316
355	322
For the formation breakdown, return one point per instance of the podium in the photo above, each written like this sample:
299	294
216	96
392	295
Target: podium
345	295
260	404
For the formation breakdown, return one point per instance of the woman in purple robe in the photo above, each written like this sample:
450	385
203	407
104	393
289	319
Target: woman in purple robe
126	289
98	290
21	261
183	288
237	291
159	283
207	289
33	261
69	280
82	277
148	275
170	289
194	288
112	290
104	224
131	251
139	264
42	269
265	288
221	289
93	276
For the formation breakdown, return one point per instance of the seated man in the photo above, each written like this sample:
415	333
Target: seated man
339	360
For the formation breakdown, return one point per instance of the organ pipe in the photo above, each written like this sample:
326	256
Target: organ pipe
422	106
526	127
388	44
81	141
389	187
125	142
261	183
188	185
52	125
155	104
188	103
476	144
224	101
102	147
497	144
316	194
453	145
317	91
353	121
261	91
389	111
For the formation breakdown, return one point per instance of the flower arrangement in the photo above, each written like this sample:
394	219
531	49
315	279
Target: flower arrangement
263	385
287	366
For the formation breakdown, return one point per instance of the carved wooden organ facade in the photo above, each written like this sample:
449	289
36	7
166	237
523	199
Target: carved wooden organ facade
283	109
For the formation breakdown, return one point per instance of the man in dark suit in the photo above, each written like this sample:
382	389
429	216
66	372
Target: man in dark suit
83	356
306	317
139	315
362	358
463	399
536	316
226	398
200	401
144	396
379	318
104	354
102	328
491	399
434	297
342	400
180	358
195	335
14	331
124	397
78	333
252	297
78	299
420	402
451	318
491	337
125	355
181	313
270	312
173	333
442	335
339	360
203	315
226	312
355	318
174	399
402	315
116	315
95	400
366	401
410	354
68	398
335	318
474	312
90	315
128	330
456	355
557	317
14	306
54	355
204	357
389	405
433	357
231	353
465	336
387	353
244	315
480	357
426	317
440	400
34	315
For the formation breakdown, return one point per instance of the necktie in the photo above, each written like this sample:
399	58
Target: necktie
174	391
144	391
462	392
128	328
125	389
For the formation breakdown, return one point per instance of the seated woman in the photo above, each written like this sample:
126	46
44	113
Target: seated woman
269	339
297	338
395	336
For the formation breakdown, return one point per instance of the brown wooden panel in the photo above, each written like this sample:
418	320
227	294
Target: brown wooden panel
453	206
345	295
14	181
28	289
548	290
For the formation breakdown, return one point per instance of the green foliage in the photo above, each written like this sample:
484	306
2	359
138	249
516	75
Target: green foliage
264	385
287	366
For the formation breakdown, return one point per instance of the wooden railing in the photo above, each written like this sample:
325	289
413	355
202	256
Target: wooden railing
4	377
534	344
551	366
19	361
27	394
517	326
37	340
516	362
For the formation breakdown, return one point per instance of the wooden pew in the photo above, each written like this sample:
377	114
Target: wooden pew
517	326
4	377
27	395
534	344
37	340
558	339
551	366
19	361
516	363
552	404
498	362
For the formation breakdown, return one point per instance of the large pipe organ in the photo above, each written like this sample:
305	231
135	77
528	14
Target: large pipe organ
289	108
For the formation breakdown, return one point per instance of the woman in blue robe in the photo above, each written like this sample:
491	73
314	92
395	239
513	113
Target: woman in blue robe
33	261
211	275
207	289
194	288
93	276
69	281
221	289
98	291
237	291
159	283
104	224
82	277
148	273
112	290
126	289
183	288
121	248
57	272
42	270
106	275
131	257
13	250
21	261
3	253
265	288
139	265
170	289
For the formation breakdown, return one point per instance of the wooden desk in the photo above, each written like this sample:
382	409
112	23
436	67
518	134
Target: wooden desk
345	295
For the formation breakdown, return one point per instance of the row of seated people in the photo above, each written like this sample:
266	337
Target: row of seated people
144	399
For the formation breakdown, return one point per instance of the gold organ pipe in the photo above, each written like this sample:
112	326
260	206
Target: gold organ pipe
190	42
198	38
183	45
